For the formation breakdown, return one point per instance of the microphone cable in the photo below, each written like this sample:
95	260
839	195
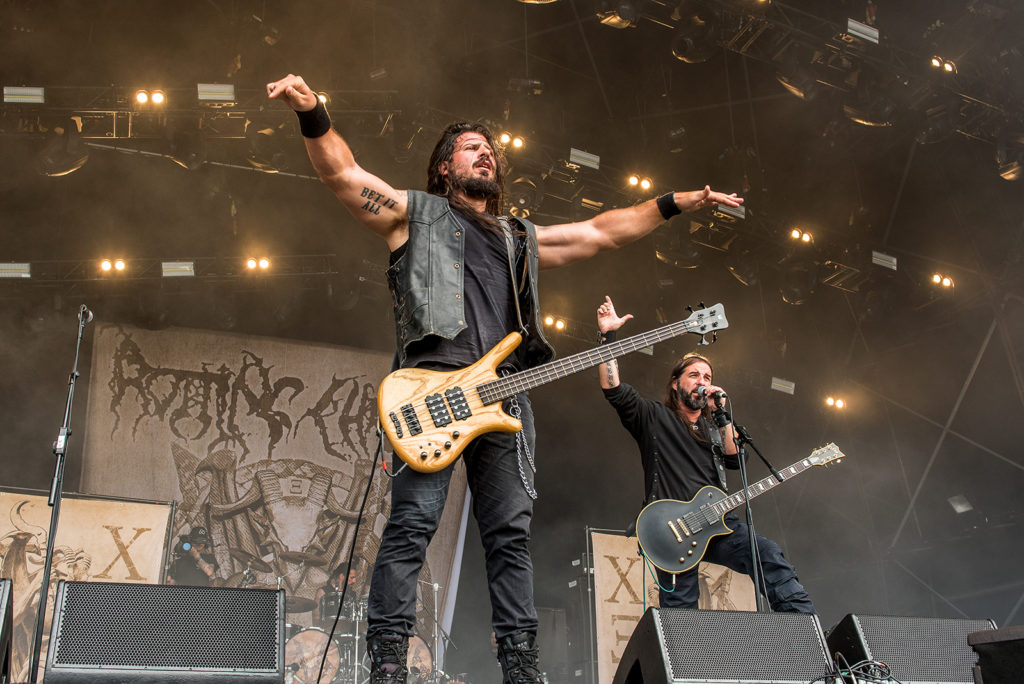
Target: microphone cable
351	551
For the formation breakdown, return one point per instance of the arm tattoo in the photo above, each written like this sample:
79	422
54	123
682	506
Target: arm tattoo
613	371
375	201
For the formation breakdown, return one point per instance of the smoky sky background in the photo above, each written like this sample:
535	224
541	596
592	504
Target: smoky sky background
932	379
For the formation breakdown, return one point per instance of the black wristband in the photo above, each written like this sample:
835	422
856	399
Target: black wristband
608	337
315	122
722	418
667	206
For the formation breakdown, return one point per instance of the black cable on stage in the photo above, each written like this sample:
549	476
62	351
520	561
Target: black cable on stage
351	552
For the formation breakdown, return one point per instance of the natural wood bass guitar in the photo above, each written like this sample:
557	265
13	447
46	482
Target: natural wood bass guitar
430	416
674	534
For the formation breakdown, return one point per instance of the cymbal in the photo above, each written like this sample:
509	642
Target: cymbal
301	557
249	559
298	604
238	580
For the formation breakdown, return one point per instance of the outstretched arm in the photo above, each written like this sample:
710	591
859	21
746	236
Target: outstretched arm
607	322
372	201
569	242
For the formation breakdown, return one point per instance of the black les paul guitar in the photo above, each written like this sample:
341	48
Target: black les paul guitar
674	534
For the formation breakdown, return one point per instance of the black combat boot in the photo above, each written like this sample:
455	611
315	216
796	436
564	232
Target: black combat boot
519	657
388	654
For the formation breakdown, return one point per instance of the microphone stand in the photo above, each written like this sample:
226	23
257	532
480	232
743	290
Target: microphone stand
438	630
60	451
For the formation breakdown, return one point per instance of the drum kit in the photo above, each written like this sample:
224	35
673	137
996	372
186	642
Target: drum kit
346	661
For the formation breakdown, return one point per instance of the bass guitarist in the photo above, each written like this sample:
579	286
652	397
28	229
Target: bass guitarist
461	280
682	449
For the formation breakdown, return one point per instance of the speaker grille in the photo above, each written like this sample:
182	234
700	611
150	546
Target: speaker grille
166	627
729	646
920	649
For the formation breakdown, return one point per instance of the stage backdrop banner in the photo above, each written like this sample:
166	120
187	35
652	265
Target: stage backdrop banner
620	582
98	540
267	443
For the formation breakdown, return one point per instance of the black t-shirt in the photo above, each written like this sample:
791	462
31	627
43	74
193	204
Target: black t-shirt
676	465
489	304
185	571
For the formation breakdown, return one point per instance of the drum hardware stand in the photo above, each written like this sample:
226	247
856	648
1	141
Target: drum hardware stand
59	450
437	675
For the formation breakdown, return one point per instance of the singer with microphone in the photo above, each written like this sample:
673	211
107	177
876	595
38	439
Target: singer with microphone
687	442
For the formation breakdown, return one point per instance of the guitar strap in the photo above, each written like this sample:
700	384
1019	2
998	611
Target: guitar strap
717	450
506	228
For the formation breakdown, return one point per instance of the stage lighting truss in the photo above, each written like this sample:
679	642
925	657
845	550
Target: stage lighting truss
75	272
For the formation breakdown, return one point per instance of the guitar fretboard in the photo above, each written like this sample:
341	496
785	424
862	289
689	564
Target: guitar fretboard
760	487
702	322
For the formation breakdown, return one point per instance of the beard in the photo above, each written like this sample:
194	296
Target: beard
475	187
694	403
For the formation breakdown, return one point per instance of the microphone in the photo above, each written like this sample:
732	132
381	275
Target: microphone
702	390
84	314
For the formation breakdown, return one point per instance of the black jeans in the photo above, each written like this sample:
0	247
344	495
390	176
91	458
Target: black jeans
503	512
785	593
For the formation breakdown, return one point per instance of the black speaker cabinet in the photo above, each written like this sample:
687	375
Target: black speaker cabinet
157	634
682	645
6	621
1000	655
917	650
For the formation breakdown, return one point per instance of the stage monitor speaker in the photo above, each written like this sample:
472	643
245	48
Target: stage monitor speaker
6	622
159	634
917	650
682	645
1000	655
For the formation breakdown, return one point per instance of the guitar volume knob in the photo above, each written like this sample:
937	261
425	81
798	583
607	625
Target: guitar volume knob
455	435
447	445
437	452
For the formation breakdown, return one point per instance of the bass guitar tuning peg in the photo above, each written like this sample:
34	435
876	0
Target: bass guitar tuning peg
701	305
714	336
689	308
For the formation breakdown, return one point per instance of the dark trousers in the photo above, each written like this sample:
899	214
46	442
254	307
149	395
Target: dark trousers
785	593
503	512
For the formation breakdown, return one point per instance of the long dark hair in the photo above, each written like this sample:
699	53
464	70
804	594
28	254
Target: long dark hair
672	398
438	184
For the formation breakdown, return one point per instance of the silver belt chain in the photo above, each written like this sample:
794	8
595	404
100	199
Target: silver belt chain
522	447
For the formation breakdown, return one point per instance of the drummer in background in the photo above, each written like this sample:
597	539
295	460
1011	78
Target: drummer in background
334	582
194	564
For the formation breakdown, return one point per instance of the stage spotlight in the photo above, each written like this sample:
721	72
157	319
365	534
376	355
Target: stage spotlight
186	145
798	282
106	265
251	263
796	75
801	236
142	96
268	151
947	66
836	402
115	265
119	265
518	142
24	95
559	324
620	14
264	263
633	180
694	41
942	280
158	97
525	195
1010	155
505	138
215	92
63	151
646	184
549	320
